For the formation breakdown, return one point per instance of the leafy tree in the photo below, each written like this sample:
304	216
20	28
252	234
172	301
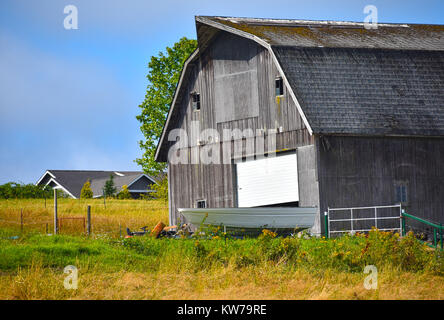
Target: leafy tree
86	192
110	189
160	189
124	193
163	75
14	190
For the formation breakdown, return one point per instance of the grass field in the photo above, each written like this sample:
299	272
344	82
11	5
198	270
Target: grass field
31	267
105	219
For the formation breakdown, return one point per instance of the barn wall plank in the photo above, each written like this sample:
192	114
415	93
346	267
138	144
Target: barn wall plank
364	171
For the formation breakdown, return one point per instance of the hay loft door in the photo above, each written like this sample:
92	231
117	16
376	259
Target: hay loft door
267	181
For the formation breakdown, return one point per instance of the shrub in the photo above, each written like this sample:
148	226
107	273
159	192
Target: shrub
86	192
124	193
276	249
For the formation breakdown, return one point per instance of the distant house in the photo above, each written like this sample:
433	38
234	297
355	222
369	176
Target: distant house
72	181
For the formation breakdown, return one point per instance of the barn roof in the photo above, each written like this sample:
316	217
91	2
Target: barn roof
351	80
336	34
346	79
367	91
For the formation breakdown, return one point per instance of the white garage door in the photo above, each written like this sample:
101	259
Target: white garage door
267	181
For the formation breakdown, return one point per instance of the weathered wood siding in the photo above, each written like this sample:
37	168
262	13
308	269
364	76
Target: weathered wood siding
308	181
238	75
364	171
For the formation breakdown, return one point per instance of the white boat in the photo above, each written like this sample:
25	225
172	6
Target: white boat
263	217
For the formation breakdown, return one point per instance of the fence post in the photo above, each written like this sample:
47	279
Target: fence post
21	220
88	221
402	223
442	240
326	223
55	212
435	243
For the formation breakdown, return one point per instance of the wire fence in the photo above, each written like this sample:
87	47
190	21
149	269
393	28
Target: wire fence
39	221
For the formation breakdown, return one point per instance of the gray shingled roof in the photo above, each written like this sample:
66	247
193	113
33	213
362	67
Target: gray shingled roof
97	185
367	91
336	34
73	180
350	80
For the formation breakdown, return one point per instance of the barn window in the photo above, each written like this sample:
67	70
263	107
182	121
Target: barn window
195	98
401	193
201	203
279	86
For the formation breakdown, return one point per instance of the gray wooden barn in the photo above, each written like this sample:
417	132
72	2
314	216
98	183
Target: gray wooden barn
357	116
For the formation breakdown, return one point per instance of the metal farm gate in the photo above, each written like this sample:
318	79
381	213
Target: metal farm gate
362	219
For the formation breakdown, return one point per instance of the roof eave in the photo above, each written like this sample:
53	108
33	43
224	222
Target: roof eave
41	178
173	103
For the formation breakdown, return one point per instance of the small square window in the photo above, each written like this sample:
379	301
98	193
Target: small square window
401	193
201	203
195	98
279	86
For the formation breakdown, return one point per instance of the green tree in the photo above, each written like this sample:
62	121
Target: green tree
160	189
124	193
109	188
86	192
163	75
14	190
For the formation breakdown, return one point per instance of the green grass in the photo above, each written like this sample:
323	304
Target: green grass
346	254
212	267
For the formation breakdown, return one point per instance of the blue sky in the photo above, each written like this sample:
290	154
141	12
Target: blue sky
69	98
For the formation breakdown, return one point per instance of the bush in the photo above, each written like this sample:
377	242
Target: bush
408	253
277	249
124	193
86	192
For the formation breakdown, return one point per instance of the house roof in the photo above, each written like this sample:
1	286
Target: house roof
72	181
346	79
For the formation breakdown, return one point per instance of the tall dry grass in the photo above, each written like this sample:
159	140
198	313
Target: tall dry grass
116	216
265	282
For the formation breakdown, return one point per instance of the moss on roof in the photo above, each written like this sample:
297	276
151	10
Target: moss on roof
337	34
